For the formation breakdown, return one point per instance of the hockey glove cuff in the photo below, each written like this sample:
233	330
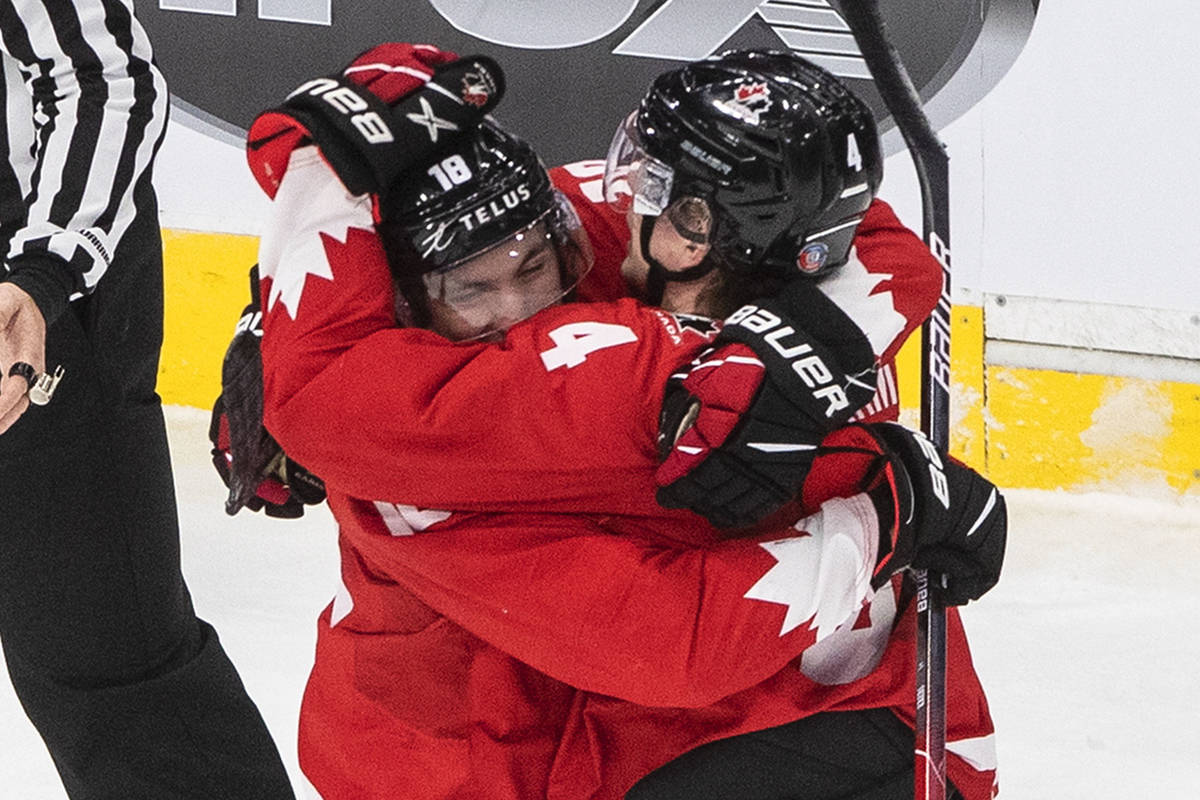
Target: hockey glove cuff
935	513
279	489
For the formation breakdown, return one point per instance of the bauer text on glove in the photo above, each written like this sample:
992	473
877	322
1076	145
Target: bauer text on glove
741	424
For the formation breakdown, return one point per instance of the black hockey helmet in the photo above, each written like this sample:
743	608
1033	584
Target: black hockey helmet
785	156
485	194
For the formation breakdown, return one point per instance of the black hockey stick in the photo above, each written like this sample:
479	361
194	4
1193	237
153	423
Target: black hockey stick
933	172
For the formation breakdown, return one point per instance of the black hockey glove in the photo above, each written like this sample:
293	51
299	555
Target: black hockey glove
249	460
935	513
740	426
393	106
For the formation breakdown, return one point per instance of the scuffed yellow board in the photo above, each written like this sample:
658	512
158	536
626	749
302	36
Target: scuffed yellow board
1049	429
966	384
206	287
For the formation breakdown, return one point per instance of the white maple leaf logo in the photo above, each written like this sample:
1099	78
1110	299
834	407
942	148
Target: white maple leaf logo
851	287
820	575
311	202
287	284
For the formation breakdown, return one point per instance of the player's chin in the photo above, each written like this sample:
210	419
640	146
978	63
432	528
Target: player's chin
492	334
635	271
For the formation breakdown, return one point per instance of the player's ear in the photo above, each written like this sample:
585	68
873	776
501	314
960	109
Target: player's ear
694	254
675	252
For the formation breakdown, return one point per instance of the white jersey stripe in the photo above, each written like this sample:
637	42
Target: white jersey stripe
95	139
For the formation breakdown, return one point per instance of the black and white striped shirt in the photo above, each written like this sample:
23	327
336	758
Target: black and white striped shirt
85	110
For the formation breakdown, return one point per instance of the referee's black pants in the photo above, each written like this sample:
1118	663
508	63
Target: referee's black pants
132	694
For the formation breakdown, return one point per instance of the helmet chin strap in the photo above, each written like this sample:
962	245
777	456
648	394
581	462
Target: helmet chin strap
656	280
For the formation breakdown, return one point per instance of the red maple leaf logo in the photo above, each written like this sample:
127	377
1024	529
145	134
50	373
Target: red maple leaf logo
475	90
751	91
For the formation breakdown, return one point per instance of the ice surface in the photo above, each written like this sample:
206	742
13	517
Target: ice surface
1089	647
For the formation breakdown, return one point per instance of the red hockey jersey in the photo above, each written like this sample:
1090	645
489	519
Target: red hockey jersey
553	632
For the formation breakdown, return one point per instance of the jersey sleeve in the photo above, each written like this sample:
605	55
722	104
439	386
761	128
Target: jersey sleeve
81	142
561	415
891	283
609	607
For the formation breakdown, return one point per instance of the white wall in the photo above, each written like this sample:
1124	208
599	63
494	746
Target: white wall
203	182
1091	159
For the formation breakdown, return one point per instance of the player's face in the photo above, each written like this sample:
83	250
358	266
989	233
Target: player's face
486	295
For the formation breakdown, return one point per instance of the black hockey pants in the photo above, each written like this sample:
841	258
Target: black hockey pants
841	755
132	694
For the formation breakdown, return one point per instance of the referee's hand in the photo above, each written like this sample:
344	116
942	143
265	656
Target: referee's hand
22	339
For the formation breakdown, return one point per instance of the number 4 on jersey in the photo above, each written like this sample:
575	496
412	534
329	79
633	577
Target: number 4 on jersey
573	342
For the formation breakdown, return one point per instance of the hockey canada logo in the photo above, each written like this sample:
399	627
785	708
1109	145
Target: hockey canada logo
581	65
749	101
478	86
702	326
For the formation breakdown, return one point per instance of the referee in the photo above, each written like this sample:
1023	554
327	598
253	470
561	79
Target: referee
132	694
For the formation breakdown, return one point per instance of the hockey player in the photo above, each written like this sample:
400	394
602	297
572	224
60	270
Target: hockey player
391	670
698	133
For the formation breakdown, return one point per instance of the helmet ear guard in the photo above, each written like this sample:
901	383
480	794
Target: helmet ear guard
785	155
